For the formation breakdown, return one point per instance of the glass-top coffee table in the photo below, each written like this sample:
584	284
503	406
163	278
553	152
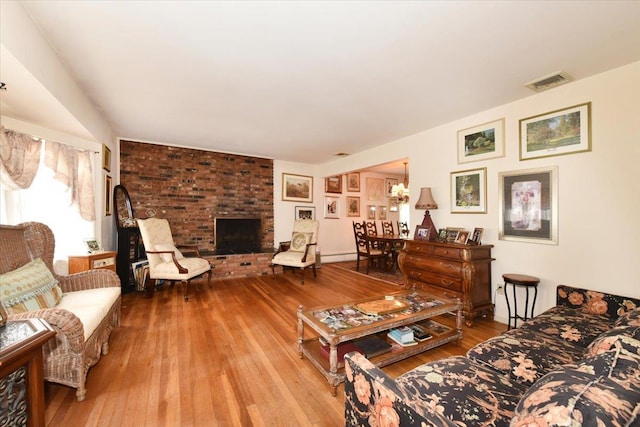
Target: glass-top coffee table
339	326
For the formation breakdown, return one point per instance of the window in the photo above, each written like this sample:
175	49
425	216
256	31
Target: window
48	201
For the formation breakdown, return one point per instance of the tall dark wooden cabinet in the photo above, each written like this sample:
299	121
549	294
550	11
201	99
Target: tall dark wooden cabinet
451	270
130	248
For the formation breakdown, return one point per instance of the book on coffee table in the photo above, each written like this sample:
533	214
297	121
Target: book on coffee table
373	346
343	348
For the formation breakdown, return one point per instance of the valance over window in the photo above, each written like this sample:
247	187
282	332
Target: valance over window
20	159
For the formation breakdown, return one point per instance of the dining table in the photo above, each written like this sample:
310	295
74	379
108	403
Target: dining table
393	243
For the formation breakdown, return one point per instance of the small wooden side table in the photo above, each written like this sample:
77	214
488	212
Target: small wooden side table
21	370
527	282
97	260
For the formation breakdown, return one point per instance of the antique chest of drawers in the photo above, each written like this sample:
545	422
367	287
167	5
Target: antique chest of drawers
451	270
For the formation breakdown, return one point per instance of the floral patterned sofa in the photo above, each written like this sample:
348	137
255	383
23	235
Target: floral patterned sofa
577	364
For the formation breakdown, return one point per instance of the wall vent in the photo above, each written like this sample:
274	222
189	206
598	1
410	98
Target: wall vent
547	82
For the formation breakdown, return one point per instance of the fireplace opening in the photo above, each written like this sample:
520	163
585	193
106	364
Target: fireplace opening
238	235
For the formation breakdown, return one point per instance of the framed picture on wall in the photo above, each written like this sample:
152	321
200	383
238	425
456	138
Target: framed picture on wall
559	132
371	212
107	195
305	212
353	206
382	213
331	207
482	142
388	185
469	191
375	189
297	188
106	158
333	184
529	205
353	181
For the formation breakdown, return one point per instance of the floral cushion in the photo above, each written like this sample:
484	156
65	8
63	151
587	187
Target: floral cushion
525	356
465	392
570	325
299	241
626	337
600	391
29	288
630	318
594	302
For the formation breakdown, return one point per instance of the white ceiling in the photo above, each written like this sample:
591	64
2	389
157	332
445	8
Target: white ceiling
302	81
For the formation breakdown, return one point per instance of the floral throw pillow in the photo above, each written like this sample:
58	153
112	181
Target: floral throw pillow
630	318
600	391
624	337
299	241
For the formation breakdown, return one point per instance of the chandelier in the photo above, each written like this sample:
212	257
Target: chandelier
401	191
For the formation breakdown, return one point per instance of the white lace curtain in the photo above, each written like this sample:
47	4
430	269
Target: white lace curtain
20	157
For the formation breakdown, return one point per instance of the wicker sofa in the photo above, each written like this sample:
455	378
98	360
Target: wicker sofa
578	363
82	308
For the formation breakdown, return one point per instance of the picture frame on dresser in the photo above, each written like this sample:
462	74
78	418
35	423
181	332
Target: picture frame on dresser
421	233
529	205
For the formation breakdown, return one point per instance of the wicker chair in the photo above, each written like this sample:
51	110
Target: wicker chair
68	356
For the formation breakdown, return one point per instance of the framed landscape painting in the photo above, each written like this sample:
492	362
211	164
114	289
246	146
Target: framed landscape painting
297	188
559	132
481	142
469	191
529	205
333	184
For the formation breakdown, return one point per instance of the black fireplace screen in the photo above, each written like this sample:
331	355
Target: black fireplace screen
238	235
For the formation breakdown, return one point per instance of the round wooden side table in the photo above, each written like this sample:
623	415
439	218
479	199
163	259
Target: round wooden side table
527	282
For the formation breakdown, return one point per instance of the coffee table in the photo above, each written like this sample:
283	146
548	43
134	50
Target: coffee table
337	324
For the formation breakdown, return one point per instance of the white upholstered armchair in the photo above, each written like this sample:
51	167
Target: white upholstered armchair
166	262
300	251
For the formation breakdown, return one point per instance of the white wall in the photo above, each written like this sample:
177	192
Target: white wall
26	43
599	191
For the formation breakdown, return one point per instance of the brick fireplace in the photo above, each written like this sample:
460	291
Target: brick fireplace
191	188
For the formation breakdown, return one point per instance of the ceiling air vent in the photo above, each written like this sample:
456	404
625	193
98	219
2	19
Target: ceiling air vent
550	81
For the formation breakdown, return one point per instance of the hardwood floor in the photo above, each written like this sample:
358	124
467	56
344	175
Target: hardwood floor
228	357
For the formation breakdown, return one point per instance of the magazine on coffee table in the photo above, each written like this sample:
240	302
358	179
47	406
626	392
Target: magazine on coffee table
432	327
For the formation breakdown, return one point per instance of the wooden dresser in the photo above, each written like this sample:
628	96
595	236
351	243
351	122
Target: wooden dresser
451	270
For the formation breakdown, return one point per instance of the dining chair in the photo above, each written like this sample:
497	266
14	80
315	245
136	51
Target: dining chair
387	228
366	248
403	228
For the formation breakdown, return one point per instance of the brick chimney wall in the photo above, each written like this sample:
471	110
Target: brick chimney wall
192	187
